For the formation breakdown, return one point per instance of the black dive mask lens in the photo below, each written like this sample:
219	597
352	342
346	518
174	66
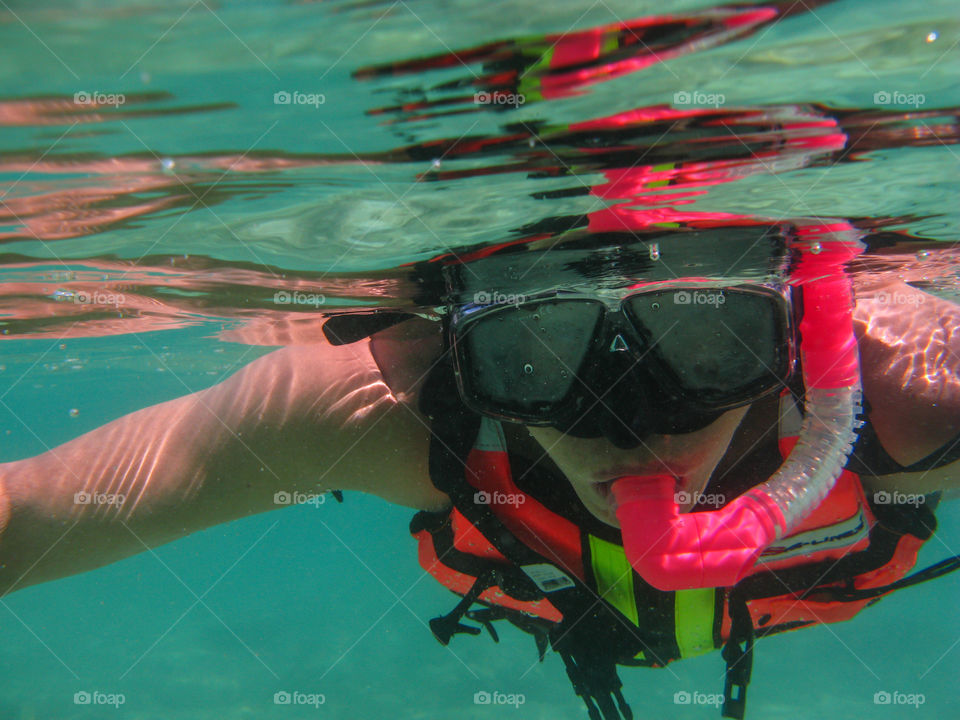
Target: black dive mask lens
715	348
521	362
671	362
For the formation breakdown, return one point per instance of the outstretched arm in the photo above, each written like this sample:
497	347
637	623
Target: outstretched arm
301	419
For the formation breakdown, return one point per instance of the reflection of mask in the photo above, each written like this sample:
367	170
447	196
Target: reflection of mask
743	254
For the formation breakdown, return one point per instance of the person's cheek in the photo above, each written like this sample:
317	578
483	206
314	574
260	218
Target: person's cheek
578	458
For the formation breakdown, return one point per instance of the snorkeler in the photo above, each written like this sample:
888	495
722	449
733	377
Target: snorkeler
585	342
557	367
635	432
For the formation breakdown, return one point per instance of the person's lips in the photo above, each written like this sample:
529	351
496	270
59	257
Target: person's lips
605	488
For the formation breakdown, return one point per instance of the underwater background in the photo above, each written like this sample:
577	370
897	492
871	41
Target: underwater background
199	159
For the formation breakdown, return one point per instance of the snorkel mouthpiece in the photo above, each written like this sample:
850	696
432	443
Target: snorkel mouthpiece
674	551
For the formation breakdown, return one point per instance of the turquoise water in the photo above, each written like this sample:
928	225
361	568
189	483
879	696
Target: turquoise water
198	197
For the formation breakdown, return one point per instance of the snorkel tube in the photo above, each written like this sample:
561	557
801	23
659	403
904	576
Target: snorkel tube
674	551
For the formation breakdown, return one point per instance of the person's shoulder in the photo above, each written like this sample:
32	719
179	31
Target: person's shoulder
910	363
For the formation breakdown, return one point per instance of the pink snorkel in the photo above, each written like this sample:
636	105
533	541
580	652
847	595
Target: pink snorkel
674	551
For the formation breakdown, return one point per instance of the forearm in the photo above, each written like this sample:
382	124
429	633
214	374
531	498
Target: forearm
292	421
140	481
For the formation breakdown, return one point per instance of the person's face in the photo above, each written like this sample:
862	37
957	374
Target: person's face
591	464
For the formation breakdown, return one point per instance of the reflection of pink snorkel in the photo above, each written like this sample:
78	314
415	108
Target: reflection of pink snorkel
674	551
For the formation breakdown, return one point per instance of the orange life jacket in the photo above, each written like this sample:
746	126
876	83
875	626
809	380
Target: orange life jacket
503	548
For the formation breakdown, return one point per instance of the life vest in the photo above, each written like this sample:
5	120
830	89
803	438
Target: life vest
503	548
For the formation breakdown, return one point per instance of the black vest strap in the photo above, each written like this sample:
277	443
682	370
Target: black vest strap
587	643
806	580
509	577
446	626
870	458
738	654
947	565
596	681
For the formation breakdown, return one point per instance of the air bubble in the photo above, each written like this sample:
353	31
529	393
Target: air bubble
923	255
74	412
527	369
815	248
932	36
168	164
655	306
